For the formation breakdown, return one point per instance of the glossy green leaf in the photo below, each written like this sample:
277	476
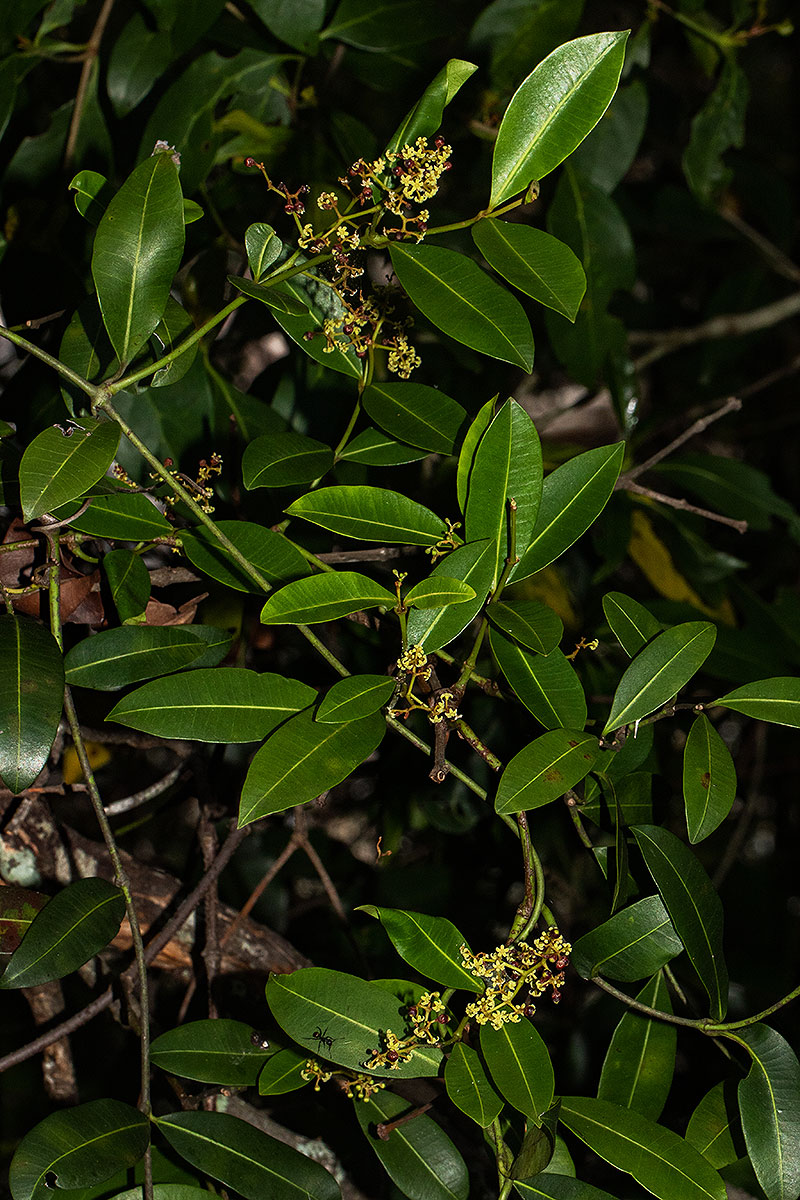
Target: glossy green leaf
640	1060
226	704
507	465
263	246
769	1103
219	1051
60	464
354	697
426	115
370	514
281	298
469	448
438	592
169	335
303	759
776	700
118	657
554	109
630	622
275	556
547	1186
128	581
528	622
520	1067
534	262
709	779
545	769
283	1073
547	685
31	699
464	302
629	798
123	518
78	1147
137	250
418	1155
428	944
573	496
693	905
709	1128
633	944
251	1162
660	670
283	459
657	1158
78	922
468	1087
473	564
718	125
85	349
538	1146
324	597
92	194
352	1015
375	449
415	413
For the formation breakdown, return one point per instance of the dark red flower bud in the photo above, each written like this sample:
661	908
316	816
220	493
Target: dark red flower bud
412	1008
442	1018
392	1056
249	162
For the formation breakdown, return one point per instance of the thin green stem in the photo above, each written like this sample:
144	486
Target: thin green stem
767	1012
572	809
64	371
486	212
510	563
351	424
503	1157
701	1024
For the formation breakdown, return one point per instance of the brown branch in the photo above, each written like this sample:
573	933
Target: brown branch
685	506
780	262
385	1127
89	61
733	404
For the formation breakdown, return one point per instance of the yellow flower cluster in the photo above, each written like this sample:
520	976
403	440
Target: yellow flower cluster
414	661
427	1018
508	971
354	1085
444	709
394	1053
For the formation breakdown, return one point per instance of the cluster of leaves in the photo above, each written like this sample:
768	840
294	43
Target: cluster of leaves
355	296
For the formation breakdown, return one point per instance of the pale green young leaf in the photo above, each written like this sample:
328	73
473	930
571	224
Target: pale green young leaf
473	564
439	592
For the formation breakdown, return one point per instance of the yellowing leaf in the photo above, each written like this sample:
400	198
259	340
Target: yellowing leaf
548	586
655	562
97	754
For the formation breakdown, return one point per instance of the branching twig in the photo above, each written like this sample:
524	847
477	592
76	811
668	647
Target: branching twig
89	64
685	506
733	404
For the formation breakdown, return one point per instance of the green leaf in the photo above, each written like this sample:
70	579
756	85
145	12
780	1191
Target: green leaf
219	1051
165	1191
554	109
78	1147
385	25
507	465
375	449
354	697
538	1146
263	246
123	518
18	907
283	1073
85	349
528	622
426	115
573	496
769	1103
660	670
280	297
369	514
92	194
244	1158
693	905
534	262
439	592
657	1158
608	153
304	758
633	944
418	1156
324	597
129	582
139	57
353	1016
640	1060
547	685
709	780
420	415
169	335
630	622
137	250
460	299
469	447
31	699
520	1067
776	700
283	459
719	124
275	556
709	1128
429	944
545	769
118	657
78	922
468	1087
473	564
60	464
321	304
558	1187
226	704
294	21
